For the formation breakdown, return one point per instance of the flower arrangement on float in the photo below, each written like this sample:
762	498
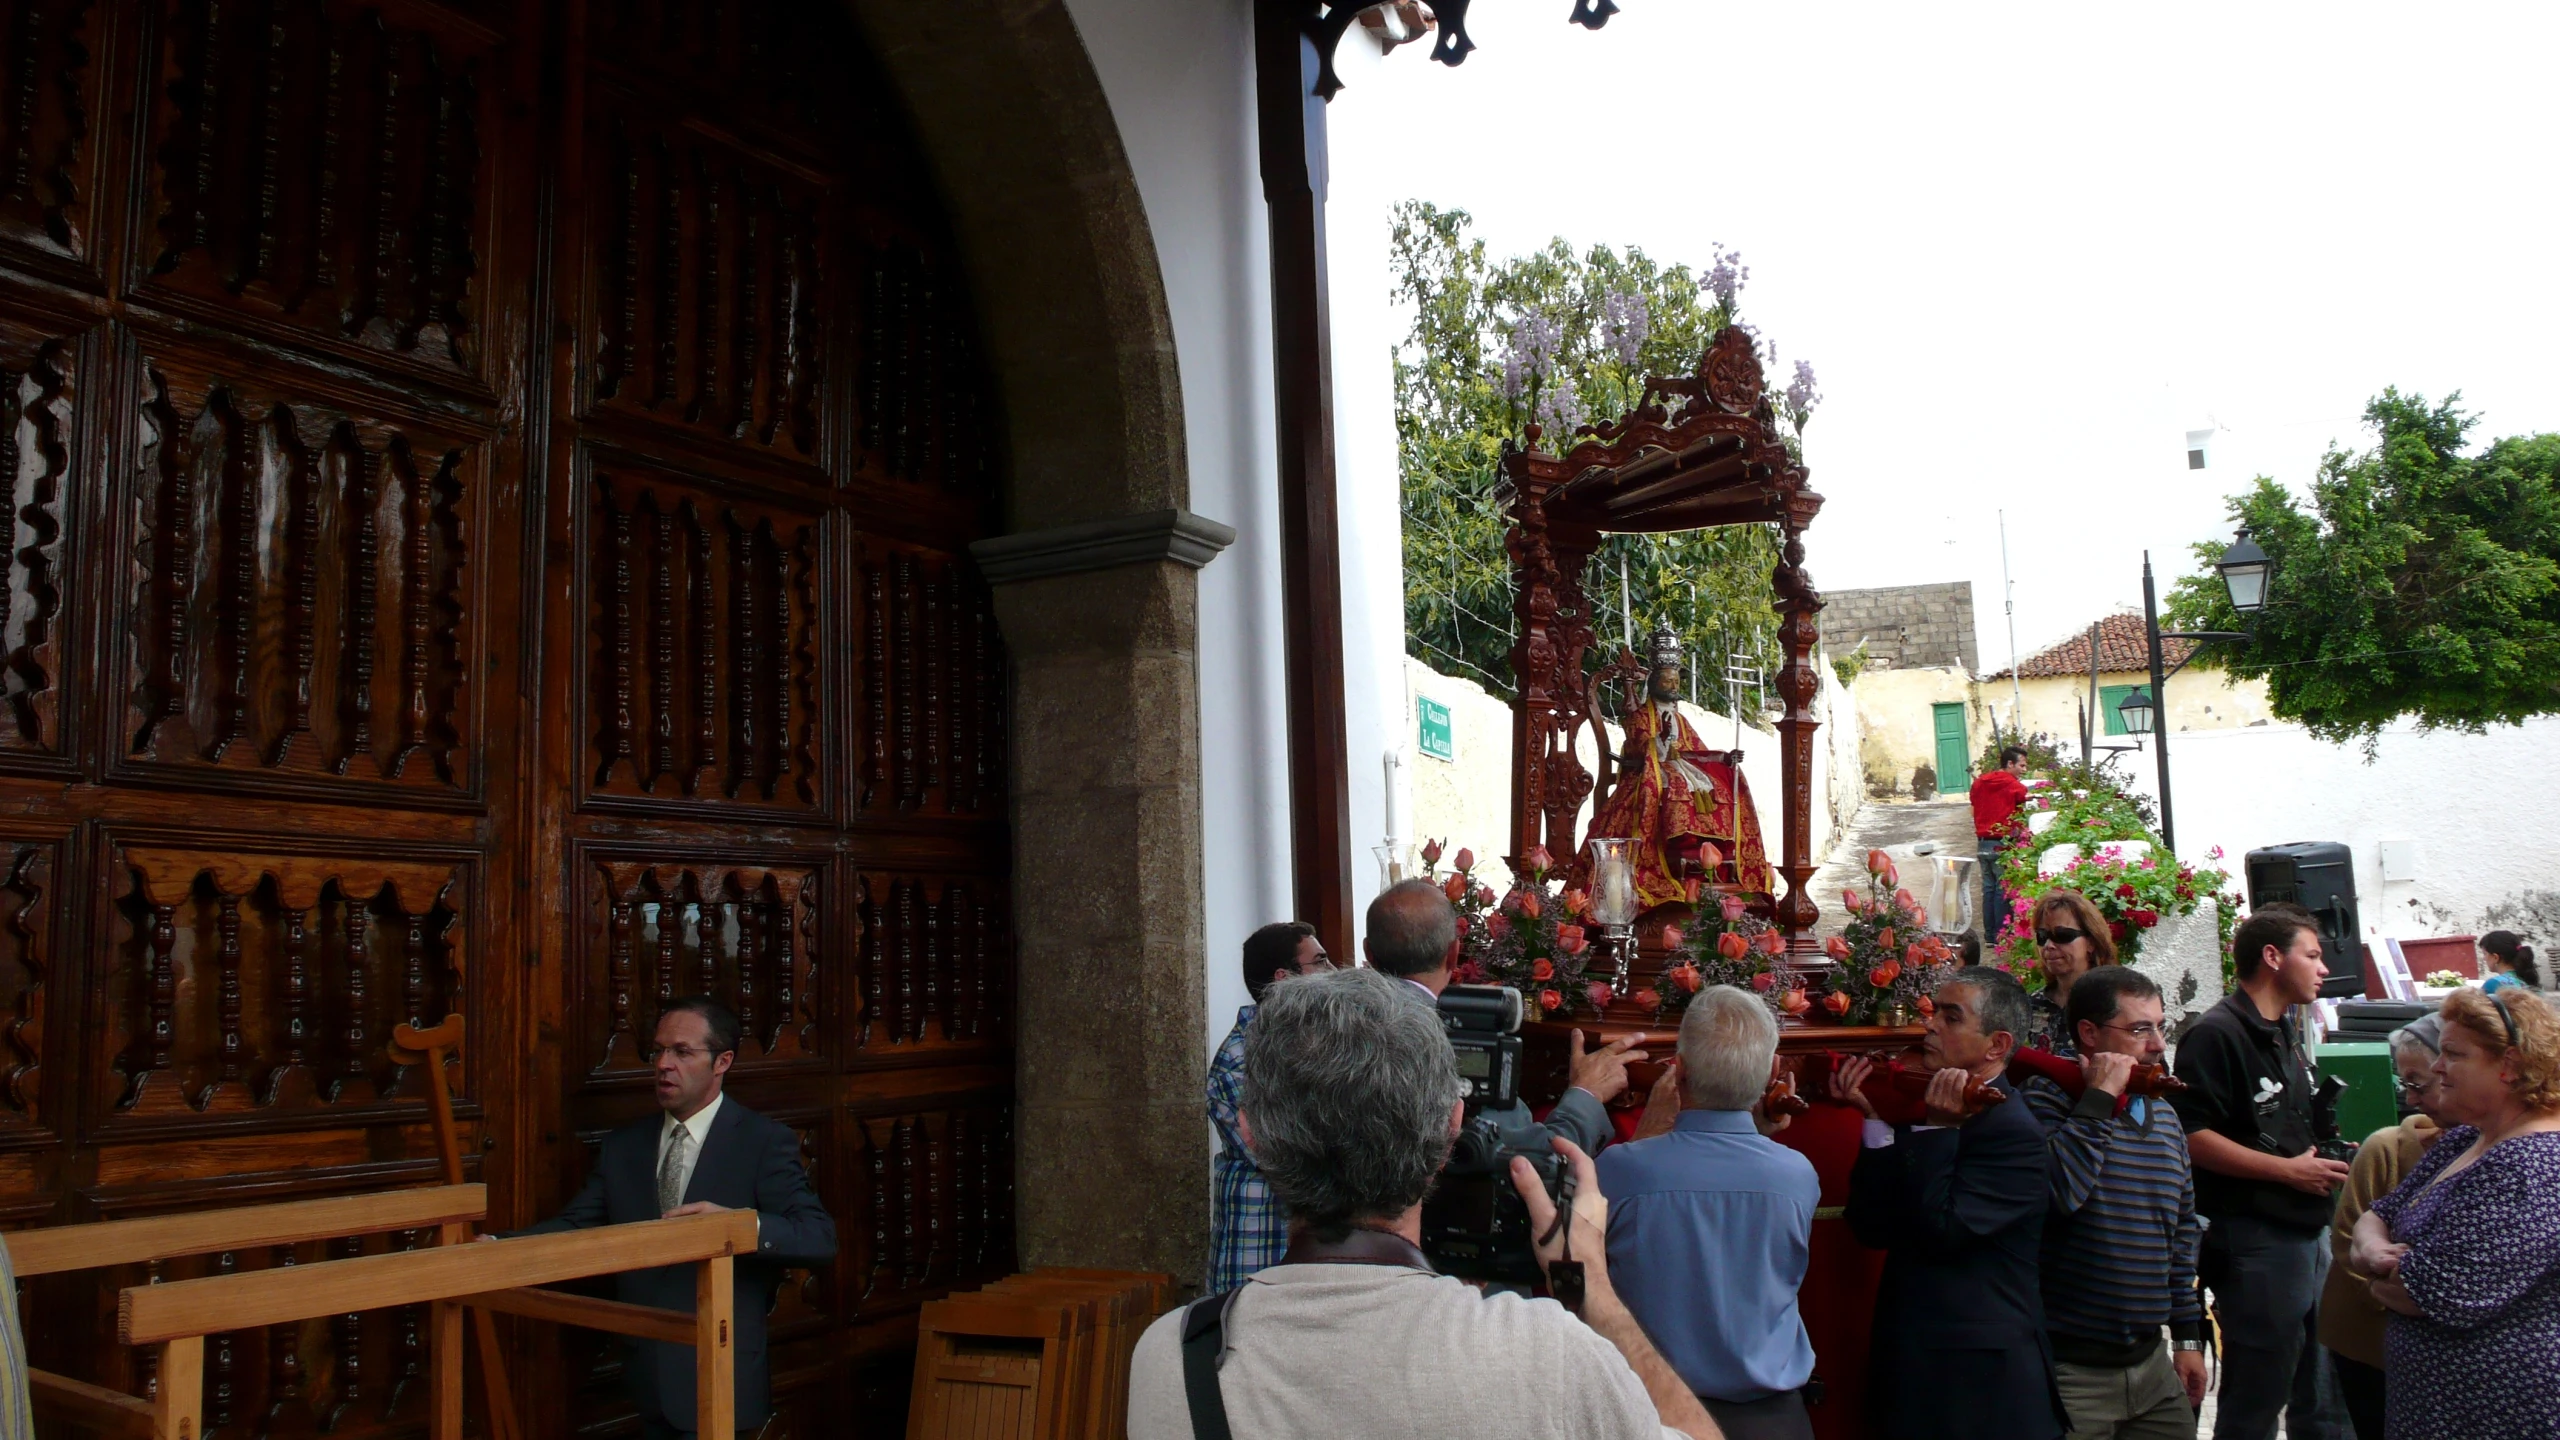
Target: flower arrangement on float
1726	944
1889	961
1536	937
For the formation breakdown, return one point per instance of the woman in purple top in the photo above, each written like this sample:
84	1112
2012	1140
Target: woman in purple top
2466	1252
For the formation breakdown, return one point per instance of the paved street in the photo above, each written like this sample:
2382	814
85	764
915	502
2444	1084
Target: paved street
1883	825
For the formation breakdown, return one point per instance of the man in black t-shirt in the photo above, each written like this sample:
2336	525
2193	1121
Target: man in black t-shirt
2264	1192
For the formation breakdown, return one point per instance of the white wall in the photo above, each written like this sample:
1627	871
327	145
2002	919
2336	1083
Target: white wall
2476	808
1179	75
1370	172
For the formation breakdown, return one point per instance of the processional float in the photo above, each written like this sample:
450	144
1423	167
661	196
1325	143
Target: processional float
1698	451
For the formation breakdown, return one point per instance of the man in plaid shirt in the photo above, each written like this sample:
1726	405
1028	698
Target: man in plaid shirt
1249	1230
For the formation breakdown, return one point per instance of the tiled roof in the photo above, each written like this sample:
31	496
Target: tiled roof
2122	648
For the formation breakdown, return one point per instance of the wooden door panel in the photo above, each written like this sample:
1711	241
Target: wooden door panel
708	283
50	88
934	966
670	922
934	1190
703	645
44	355
316	171
919	392
357	626
28	902
303	593
266	985
929	738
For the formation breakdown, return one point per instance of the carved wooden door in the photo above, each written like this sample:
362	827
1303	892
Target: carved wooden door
487	487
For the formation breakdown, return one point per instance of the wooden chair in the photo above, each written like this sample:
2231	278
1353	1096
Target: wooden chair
974	1382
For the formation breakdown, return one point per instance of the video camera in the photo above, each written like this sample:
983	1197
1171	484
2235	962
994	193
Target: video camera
1474	1224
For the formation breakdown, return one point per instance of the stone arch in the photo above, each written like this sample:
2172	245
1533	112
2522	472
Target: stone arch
1096	594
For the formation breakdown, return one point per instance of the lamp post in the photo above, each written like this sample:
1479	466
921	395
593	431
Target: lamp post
2246	572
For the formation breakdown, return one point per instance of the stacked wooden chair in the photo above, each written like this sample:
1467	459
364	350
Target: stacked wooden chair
1042	1356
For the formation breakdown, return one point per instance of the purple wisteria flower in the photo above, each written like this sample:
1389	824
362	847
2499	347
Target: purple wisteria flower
1801	396
1536	341
1559	409
1725	277
1624	324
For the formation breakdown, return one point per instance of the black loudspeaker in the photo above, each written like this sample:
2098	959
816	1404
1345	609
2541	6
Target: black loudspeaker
2319	876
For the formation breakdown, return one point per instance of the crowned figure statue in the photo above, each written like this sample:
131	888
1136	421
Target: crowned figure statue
1686	808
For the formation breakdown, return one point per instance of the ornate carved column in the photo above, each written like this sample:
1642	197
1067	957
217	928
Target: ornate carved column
1798	686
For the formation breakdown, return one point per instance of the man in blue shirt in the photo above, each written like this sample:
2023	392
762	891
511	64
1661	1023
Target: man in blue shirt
1710	1226
1248	1230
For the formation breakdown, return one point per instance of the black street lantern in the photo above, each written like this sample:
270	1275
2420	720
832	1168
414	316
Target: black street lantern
2137	711
2245	572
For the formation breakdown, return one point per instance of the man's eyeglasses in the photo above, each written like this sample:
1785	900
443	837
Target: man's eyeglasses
2139	1030
2059	935
685	1054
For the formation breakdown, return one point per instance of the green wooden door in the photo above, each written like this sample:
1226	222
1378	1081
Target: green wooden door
1953	772
2110	697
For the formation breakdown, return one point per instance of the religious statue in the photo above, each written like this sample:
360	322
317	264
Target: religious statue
1686	808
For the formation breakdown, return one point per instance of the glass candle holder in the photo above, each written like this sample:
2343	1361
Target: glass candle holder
1613	883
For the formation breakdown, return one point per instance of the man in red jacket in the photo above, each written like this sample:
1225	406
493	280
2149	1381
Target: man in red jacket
1997	794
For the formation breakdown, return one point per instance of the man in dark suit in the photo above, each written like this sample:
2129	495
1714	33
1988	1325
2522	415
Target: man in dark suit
702	1152
1958	1207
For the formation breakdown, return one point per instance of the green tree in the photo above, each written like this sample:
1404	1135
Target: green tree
2418	581
1555	338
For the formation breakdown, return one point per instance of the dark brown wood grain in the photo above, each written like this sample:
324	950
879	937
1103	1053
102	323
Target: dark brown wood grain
486	489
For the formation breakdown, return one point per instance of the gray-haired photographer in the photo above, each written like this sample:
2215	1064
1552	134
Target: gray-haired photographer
1352	1099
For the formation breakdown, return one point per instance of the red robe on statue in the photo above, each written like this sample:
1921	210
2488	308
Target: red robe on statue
1679	801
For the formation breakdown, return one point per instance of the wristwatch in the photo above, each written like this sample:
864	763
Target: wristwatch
2186	1346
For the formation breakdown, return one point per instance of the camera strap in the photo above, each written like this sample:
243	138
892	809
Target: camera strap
1204	1323
1204	1340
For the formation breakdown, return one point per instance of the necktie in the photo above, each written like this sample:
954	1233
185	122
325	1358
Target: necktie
671	1171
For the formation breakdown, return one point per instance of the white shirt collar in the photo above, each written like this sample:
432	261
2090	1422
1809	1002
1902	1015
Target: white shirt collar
699	1126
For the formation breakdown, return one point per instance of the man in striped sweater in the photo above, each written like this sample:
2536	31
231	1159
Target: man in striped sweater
2119	1257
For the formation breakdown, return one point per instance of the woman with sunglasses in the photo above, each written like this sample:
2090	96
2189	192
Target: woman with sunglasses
2071	940
2350	1318
2465	1253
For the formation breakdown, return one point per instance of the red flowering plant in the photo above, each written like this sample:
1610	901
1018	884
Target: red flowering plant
1726	944
2134	894
1538	938
1887	955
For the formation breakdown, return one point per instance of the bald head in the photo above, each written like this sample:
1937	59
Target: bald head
1412	929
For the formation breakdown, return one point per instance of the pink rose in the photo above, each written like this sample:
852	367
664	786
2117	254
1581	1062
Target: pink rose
1671	937
1762	981
1430	852
1600	995
1734	909
1465	860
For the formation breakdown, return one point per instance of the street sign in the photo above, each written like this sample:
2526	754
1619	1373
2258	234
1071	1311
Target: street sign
1437	739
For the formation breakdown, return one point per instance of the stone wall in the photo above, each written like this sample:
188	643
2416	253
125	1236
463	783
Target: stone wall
1904	626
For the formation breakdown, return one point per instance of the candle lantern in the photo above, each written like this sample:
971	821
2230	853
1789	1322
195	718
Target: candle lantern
1613	904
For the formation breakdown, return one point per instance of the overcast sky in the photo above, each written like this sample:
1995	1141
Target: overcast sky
2027	248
